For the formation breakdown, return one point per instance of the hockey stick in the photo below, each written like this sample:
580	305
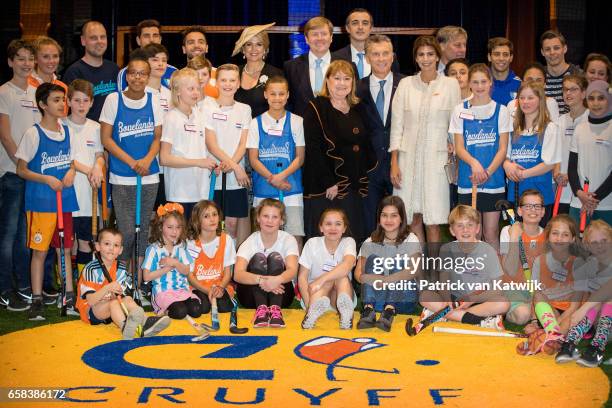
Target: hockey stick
200	328
136	265
94	219
281	193
414	330
234	329
104	200
557	200
583	215
214	315
108	277
213	181
474	194
507	212
454	330
63	272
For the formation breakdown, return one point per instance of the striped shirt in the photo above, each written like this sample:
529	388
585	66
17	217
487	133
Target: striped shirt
173	280
554	87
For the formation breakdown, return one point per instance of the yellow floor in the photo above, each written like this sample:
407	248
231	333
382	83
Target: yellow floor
290	367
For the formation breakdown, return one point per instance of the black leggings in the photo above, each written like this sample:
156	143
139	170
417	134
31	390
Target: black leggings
224	303
180	310
251	296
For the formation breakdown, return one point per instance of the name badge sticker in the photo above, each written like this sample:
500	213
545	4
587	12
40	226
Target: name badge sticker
275	132
467	115
190	127
26	103
219	116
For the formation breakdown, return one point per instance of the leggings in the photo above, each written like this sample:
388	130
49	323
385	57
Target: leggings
180	310
252	296
224	303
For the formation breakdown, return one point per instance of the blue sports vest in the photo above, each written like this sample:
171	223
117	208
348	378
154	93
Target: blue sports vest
133	132
51	159
527	151
275	150
481	140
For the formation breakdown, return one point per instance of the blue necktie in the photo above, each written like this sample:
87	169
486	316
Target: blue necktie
360	64
318	76
380	100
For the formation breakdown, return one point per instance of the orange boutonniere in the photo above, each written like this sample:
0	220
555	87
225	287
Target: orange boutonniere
168	208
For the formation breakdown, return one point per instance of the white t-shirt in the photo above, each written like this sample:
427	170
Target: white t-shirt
271	124
551	105
285	245
210	249
317	258
484	266
186	135
551	146
504	239
29	143
567	125
504	122
108	115
227	122
20	107
165	98
593	143
87	144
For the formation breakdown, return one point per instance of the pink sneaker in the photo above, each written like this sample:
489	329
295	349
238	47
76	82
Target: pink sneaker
276	317
262	317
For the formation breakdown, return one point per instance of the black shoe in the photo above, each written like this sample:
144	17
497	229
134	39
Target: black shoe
154	324
25	294
71	309
50	296
591	357
13	302
367	319
386	319
36	310
568	353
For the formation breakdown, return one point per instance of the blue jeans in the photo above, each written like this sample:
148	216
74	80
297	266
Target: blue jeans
14	254
404	301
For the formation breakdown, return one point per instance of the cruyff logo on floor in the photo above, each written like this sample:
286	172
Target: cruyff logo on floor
331	351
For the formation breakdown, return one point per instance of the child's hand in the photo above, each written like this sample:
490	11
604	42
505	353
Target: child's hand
276	180
588	200
479	174
561	179
513	171
115	288
68	179
227	166
169	261
141	167
95	176
216	292
207	163
241	176
515	231
270	283
54	183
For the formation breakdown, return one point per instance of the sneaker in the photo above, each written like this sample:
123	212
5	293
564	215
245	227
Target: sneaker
316	310
36	310
568	352
591	357
13	302
71	309
25	294
276	317
133	324
143	300
152	325
493	322
261	318
367	319
345	308
386	319
50	292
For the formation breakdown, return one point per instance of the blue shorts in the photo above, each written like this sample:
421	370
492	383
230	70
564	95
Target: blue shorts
236	202
94	321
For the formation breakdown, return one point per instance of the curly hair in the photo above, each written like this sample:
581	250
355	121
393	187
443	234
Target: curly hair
156	231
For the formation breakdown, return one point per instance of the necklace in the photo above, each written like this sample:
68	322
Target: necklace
254	73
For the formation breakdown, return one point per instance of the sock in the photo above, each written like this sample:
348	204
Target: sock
470	318
547	318
603	328
577	332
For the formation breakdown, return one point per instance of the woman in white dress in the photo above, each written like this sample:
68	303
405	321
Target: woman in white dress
422	108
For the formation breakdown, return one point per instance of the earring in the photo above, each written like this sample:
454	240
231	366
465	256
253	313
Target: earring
243	56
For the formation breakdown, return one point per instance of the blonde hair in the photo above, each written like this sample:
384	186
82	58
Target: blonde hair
598	225
265	40
345	68
318	22
177	78
463	211
200	62
42	40
228	67
270	202
449	33
543	116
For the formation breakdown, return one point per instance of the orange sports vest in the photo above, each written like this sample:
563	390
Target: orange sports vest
209	271
81	303
549	283
534	246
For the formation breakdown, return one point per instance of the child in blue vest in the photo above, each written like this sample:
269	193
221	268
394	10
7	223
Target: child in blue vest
534	148
130	129
276	153
45	162
481	127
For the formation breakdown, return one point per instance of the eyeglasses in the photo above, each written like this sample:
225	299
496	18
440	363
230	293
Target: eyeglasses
530	207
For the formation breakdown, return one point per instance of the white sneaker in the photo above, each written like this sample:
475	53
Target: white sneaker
143	299
345	308
493	322
316	310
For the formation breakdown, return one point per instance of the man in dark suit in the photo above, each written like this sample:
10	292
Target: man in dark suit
306	73
376	93
359	25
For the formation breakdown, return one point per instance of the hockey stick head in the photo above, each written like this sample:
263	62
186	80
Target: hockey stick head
410	331
238	330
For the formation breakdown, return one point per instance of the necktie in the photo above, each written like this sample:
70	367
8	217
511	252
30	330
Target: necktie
380	100
318	76
360	64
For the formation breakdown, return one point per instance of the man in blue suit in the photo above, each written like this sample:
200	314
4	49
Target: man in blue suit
376	93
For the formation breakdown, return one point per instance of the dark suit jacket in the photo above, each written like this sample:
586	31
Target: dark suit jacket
345	54
298	76
379	134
